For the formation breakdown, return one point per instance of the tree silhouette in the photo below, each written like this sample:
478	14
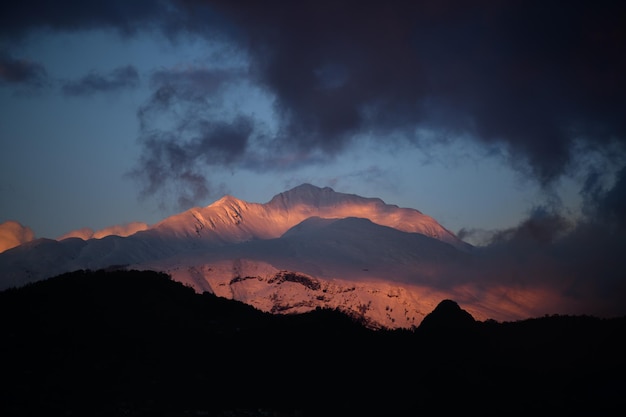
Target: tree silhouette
113	343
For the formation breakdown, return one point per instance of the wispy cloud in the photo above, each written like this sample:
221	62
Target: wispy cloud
183	133
22	72
118	79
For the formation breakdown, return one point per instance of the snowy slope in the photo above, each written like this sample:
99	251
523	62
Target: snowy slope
379	273
389	277
230	220
380	303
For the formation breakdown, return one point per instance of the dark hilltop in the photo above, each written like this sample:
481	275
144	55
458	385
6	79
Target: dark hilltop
137	343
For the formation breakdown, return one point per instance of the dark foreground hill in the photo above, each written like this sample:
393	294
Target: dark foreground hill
131	343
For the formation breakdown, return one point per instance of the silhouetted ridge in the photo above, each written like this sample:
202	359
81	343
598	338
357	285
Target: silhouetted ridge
136	343
447	316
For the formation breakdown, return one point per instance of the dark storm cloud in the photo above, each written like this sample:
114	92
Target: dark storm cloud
534	75
543	226
580	260
94	82
21	71
18	17
605	205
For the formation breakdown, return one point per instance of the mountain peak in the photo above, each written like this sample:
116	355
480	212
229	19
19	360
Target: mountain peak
227	200
303	192
313	196
307	187
448	315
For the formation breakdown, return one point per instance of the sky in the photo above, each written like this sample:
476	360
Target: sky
502	120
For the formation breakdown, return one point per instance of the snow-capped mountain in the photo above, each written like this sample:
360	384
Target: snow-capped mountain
230	220
307	247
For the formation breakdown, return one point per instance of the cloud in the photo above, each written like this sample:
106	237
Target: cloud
13	234
577	264
197	122
535	77
118	79
21	72
606	205
184	133
83	233
181	163
542	81
17	18
121	230
537	80
116	230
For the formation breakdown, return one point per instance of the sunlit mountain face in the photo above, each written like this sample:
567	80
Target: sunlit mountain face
307	247
230	220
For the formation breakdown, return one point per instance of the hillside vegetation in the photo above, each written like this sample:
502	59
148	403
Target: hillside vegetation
136	343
